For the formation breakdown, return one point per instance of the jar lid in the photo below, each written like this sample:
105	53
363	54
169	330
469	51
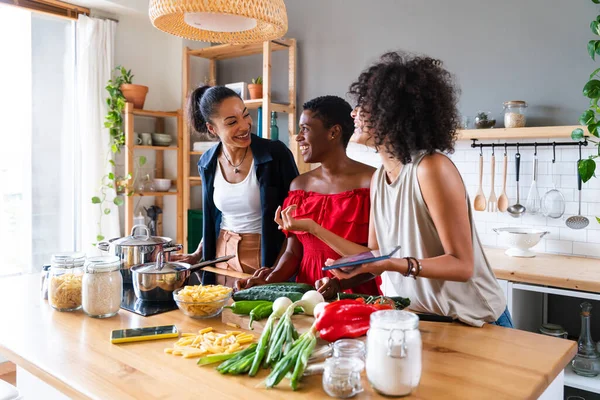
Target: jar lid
394	319
101	264
69	259
552	329
518	103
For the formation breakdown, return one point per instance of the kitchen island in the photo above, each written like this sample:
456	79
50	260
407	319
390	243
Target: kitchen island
72	353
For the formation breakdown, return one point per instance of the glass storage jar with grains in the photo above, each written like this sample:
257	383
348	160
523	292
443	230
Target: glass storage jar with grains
64	288
394	352
102	286
514	113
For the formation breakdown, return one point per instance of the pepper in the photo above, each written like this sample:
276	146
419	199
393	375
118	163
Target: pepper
260	312
244	307
348	319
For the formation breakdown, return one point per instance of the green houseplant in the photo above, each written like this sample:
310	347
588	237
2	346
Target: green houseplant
114	123
256	88
591	117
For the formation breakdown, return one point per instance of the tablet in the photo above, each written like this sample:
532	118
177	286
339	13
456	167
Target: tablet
362	258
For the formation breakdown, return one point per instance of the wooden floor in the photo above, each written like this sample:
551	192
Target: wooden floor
8	372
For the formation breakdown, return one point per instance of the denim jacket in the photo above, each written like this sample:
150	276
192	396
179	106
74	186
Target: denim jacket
275	169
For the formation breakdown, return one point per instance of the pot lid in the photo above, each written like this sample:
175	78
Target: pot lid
154	268
141	237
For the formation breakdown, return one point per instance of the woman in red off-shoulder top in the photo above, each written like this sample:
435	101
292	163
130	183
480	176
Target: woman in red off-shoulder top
335	195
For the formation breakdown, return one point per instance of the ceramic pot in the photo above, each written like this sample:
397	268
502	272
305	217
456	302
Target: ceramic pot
135	94
256	91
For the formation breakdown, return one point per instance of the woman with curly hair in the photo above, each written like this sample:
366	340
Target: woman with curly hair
407	109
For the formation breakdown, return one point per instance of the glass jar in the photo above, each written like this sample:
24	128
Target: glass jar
44	281
349	348
394	352
64	288
514	113
102	287
341	377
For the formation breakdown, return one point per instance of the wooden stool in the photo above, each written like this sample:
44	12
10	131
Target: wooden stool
9	392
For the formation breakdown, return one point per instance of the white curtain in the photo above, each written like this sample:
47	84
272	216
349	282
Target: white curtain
95	40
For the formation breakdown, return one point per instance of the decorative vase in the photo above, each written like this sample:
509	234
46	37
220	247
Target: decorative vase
135	94
255	90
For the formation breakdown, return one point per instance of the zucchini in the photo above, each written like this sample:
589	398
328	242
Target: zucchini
273	291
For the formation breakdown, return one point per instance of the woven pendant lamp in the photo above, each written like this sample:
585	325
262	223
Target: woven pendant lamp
221	21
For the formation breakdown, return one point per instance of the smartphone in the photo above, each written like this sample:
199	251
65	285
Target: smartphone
361	258
146	333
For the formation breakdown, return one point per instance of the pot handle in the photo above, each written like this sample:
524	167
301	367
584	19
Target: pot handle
177	247
142	227
104	246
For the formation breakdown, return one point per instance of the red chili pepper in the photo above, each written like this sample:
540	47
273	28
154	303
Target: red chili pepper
360	300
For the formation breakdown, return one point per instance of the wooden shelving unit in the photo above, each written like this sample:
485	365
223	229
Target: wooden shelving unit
541	132
130	146
228	51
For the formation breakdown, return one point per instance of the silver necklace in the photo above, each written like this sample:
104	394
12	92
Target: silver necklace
235	167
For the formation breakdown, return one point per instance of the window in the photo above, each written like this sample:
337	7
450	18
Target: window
37	157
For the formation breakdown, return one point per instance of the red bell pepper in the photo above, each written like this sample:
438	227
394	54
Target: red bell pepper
347	319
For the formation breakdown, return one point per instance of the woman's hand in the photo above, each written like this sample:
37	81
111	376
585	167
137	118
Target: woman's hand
258	278
328	287
193	258
286	221
374	268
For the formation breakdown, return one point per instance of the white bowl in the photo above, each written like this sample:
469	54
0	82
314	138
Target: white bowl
520	240
162	185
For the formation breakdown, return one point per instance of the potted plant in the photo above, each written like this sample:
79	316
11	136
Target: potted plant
591	117
135	94
483	120
256	88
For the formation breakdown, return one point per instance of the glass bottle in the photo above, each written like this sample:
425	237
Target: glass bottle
587	360
274	127
259	122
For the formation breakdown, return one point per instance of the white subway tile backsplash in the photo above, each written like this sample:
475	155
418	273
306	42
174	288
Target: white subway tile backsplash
559	246
563	173
586	249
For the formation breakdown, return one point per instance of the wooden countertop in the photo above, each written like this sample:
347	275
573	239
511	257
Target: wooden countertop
73	353
566	272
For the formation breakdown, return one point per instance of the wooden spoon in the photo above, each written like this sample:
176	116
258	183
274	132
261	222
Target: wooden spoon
479	204
503	199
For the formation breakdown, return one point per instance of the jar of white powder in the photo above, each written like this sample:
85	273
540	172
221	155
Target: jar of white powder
102	286
394	352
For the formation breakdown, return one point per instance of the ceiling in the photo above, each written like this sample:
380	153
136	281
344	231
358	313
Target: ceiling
115	6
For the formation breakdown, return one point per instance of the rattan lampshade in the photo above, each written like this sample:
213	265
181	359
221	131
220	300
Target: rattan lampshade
221	21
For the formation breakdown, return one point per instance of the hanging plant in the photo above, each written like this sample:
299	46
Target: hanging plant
591	117
114	123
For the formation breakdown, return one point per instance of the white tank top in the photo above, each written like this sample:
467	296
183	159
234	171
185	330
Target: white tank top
239	203
401	218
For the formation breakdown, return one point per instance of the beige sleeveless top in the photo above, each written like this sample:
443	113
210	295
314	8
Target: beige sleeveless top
402	218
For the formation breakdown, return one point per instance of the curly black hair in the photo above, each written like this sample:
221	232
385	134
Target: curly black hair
333	110
411	103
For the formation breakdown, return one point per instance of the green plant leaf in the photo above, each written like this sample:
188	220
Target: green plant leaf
591	47
592	89
594	26
118	201
112	163
96	200
597	46
593	129
598	219
130	193
111	176
114	148
110	185
99	238
587	117
577	134
106	211
586	169
142	160
596	1
594	73
128	176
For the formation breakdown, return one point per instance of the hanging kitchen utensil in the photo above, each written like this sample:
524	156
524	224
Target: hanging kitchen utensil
503	199
533	197
578	221
516	210
553	202
492	199
479	203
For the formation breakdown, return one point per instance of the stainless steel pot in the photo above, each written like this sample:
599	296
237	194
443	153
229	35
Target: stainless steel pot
138	249
158	280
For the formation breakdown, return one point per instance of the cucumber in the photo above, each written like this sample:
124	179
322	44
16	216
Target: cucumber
273	291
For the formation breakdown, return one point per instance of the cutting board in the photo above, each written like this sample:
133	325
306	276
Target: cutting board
301	322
